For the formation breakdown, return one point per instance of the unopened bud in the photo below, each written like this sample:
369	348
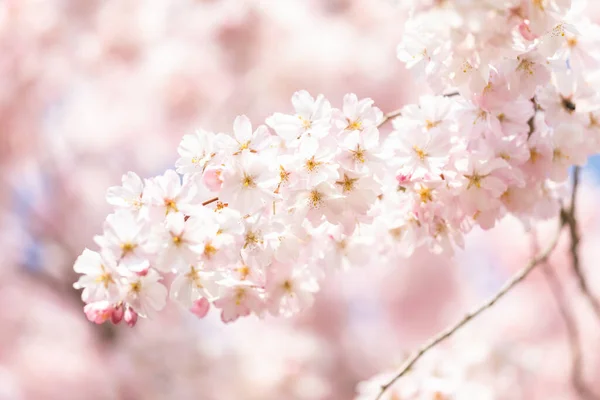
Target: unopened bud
212	179
200	307
117	314
98	312
130	317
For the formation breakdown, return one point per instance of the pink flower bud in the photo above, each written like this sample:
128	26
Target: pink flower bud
98	312
200	307
212	179
117	314
130	317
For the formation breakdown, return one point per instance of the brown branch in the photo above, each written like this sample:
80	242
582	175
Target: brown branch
445	334
207	202
568	215
572	334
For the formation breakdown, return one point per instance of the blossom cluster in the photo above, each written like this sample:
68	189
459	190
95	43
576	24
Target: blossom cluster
252	221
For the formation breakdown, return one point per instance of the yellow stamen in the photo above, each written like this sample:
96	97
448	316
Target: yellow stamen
430	125
210	250
525	65
284	176
425	194
127	248
105	278
244	271
347	184
311	164
534	155
171	205
355	125
572	42
135	287
239	296
558	154
420	153
248	181
306	124
396	233
358	154
475	180
252	238
315	198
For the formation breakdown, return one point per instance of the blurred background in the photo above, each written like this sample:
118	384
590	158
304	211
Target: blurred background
91	89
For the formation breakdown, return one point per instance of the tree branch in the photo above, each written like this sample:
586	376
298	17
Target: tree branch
388	116
516	279
570	219
398	112
572	334
207	202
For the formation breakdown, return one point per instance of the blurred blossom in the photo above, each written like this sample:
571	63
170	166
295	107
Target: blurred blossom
90	89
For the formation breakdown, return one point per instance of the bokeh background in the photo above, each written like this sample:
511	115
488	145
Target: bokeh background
91	89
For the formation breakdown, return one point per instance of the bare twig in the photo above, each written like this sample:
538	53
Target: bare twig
568	215
207	202
389	116
445	334
572	334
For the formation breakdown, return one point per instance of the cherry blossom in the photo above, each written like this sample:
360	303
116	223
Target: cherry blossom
253	221
99	280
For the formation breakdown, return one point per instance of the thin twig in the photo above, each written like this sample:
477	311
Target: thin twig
445	334
572	333
398	112
207	202
388	116
571	221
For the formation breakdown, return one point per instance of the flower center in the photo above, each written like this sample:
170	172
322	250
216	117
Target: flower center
127	248
306	124
475	180
105	278
525	65
135	287
209	250
171	205
421	154
358	154
248	181
425	194
311	164
315	198
347	184
355	125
